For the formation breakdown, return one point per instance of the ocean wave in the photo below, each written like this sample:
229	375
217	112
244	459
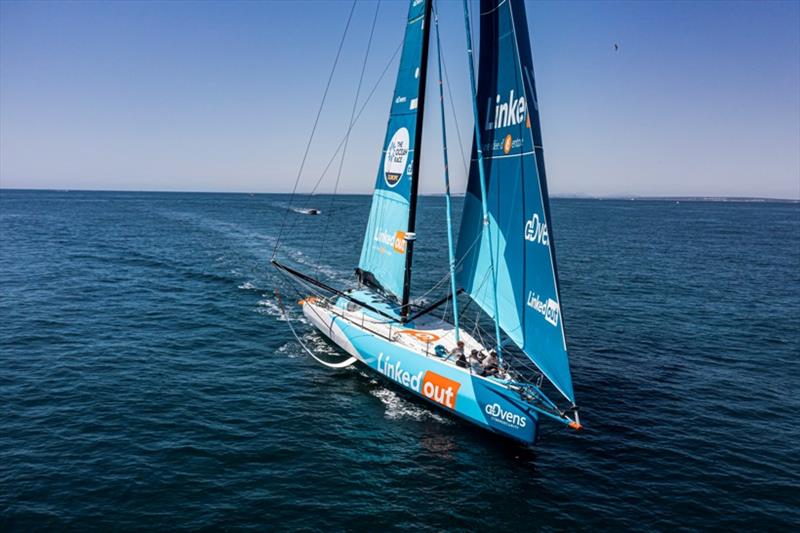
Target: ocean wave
305	211
314	342
270	307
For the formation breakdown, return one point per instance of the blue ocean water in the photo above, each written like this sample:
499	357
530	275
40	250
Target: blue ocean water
148	381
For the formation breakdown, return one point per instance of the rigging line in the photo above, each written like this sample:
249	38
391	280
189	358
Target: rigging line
315	292
483	183
297	274
297	281
472	26
358	116
455	115
455	119
444	278
448	202
347	136
341	364
314	128
495	8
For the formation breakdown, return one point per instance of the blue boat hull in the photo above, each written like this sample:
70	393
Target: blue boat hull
479	400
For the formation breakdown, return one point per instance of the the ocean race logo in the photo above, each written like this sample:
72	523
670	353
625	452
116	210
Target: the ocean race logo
431	385
549	308
501	114
536	230
394	163
507	418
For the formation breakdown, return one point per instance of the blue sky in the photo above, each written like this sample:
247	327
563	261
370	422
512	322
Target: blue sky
702	98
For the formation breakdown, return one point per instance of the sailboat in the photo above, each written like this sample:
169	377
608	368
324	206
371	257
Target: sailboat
503	261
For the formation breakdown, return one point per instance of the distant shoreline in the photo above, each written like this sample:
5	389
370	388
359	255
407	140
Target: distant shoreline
433	195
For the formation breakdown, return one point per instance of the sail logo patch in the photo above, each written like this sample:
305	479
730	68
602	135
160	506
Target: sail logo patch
549	309
394	163
399	243
536	231
507	418
396	241
503	114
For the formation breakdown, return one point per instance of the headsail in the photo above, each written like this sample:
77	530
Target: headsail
385	255
517	201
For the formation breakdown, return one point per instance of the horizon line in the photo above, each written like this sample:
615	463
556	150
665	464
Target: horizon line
571	196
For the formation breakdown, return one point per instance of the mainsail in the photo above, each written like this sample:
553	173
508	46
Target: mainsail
521	239
385	261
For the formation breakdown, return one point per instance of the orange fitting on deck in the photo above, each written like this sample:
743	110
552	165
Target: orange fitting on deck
575	425
423	336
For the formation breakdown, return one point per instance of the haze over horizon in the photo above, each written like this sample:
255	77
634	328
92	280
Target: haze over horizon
700	99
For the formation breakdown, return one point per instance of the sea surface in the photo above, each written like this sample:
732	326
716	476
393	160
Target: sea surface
148	379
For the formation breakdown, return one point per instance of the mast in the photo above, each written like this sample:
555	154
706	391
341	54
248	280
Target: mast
479	149
449	209
412	210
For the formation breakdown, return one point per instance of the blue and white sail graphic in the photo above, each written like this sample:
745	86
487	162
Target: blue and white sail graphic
529	309
383	255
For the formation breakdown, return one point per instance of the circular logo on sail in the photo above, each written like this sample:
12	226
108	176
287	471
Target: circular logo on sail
394	164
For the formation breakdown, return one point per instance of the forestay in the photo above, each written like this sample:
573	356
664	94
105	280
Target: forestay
383	261
517	200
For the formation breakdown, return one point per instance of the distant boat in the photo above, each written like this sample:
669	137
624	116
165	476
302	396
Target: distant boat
309	211
504	259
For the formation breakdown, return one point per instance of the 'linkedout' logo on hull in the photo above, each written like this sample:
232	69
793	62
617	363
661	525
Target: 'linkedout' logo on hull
394	163
549	309
507	418
431	385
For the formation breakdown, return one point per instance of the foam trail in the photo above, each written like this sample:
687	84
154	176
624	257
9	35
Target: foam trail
260	244
398	407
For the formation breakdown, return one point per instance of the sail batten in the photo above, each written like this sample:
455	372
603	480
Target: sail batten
519	238
385	261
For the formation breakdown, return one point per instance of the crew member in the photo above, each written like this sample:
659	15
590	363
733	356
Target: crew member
457	351
475	361
490	364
